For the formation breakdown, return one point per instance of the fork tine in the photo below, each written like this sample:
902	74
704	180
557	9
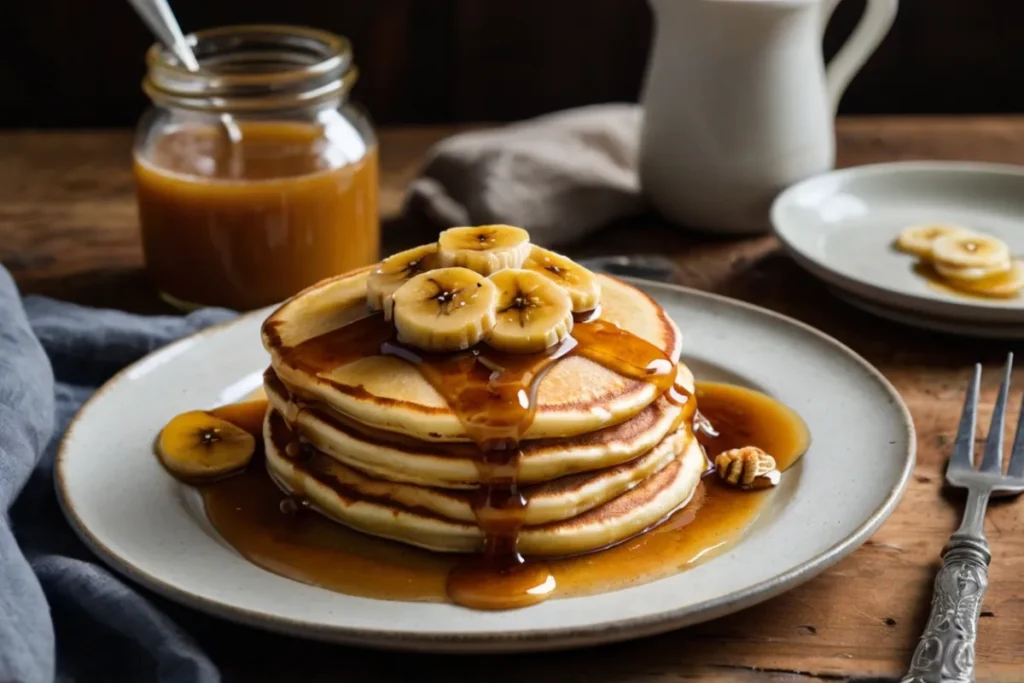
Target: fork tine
993	460
1016	468
963	448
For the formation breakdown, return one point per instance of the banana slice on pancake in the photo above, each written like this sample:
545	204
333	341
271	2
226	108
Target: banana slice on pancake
918	239
448	309
395	271
969	250
485	249
533	313
581	284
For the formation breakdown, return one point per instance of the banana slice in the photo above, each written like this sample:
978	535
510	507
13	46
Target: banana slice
395	271
581	284
533	312
485	249
448	309
247	415
918	239
1003	285
970	274
970	251
197	446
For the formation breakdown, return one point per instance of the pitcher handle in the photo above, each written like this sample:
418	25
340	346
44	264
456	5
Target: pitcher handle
878	17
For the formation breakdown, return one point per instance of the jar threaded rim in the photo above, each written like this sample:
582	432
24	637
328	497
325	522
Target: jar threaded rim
253	68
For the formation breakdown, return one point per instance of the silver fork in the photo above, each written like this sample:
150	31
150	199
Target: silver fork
945	652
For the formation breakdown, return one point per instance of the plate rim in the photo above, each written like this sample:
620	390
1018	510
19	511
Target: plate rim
882	295
535	640
909	318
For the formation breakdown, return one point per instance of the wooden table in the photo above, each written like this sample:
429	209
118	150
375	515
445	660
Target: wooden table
68	229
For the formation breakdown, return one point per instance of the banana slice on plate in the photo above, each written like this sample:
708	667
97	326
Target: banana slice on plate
970	274
246	414
197	446
581	284
533	313
970	251
918	239
448	309
485	249
395	271
1002	285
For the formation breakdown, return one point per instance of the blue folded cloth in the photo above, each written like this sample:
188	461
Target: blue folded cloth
63	615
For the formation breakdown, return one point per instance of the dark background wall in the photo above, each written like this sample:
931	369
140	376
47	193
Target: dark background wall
79	62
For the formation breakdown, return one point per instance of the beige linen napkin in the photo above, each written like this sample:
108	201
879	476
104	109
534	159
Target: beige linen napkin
560	176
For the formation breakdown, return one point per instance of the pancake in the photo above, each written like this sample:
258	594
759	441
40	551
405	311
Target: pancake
576	396
402	459
551	501
621	517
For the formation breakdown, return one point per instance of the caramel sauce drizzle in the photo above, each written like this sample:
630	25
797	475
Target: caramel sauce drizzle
494	395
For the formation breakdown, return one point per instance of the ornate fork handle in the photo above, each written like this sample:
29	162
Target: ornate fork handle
945	652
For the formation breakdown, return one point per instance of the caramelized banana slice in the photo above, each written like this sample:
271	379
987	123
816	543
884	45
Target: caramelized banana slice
395	271
196	446
581	285
485	249
1002	285
533	312
247	415
970	251
918	239
970	274
448	309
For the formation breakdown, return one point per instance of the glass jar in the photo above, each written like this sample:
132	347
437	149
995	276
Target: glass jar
292	199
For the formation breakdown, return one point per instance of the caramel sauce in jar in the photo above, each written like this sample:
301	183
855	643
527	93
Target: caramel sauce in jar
254	177
250	223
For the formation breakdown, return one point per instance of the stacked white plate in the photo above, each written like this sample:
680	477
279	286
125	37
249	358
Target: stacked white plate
841	226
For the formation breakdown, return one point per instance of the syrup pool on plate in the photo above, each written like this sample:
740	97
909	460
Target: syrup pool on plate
305	546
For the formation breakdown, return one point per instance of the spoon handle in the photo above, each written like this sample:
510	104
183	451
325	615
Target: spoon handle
158	17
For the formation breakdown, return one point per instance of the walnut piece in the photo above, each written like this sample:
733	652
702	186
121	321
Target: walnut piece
748	467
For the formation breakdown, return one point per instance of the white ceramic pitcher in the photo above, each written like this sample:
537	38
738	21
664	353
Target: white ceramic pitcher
738	104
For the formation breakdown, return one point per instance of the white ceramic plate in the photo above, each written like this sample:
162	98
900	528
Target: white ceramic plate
915	319
840	226
151	528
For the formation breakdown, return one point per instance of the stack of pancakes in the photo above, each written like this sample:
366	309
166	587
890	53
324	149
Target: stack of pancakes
372	445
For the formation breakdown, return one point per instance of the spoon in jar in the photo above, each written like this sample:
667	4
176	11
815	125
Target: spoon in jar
158	16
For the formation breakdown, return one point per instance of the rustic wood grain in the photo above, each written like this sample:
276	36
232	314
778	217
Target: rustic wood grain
67	228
